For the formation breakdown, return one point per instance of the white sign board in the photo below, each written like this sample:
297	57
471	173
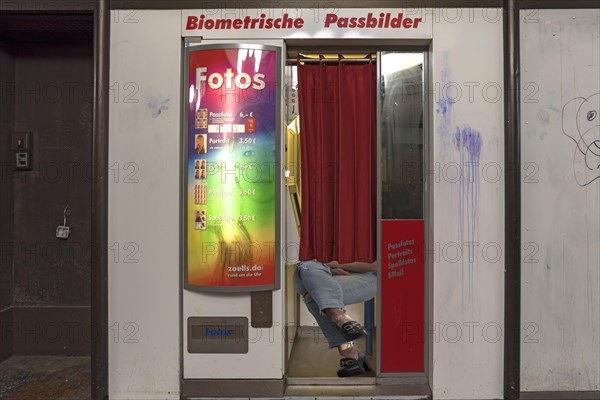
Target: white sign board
301	23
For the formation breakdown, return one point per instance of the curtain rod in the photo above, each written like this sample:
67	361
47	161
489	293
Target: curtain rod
317	60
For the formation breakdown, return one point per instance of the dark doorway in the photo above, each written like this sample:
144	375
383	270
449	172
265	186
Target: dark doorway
399	181
46	123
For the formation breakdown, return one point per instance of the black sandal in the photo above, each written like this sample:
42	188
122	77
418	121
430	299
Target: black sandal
352	330
352	367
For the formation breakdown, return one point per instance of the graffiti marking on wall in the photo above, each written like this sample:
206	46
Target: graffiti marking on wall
581	122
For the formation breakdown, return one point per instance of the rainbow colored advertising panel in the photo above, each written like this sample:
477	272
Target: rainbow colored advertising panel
232	171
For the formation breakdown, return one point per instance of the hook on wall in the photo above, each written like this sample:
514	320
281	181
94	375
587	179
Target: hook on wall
63	231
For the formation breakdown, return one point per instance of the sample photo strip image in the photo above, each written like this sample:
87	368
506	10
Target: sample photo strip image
197	220
202	220
201	118
199	174
200	144
202	194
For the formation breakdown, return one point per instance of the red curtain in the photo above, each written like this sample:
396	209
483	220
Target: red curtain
338	162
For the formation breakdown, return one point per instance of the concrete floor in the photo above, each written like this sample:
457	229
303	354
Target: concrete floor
312	373
311	357
45	378
311	363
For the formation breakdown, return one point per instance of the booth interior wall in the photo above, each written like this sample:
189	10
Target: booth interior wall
291	256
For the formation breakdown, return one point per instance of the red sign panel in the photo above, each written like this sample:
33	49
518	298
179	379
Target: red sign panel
402	296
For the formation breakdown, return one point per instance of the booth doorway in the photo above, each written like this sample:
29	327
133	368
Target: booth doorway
391	174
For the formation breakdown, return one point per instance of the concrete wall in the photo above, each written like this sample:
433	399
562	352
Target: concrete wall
466	292
7	116
468	230
144	205
47	90
560	313
467	170
54	102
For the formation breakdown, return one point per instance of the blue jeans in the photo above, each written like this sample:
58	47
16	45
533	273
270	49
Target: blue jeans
328	291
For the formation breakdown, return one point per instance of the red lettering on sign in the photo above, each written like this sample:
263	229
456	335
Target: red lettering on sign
284	22
382	21
192	23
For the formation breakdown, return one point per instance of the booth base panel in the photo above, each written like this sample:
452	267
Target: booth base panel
367	392
311	373
231	388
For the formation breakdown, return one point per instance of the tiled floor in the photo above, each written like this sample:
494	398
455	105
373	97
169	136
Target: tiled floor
45	378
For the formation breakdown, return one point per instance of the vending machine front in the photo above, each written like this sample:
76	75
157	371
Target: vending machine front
231	222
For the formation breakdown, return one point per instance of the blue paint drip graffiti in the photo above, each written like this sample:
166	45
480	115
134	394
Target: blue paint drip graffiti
468	142
156	106
444	104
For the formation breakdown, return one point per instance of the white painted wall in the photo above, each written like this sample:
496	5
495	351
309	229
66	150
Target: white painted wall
560	59
468	293
144	214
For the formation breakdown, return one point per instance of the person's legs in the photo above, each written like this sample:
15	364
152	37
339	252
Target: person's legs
358	287
328	327
315	278
329	294
351	362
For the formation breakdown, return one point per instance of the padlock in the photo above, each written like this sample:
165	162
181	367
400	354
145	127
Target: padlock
63	231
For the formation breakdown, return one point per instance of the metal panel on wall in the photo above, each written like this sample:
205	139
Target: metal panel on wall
402	254
560	140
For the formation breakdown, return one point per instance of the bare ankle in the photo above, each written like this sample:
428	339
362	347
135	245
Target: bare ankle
348	350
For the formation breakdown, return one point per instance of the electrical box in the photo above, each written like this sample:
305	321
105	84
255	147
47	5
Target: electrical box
23	150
